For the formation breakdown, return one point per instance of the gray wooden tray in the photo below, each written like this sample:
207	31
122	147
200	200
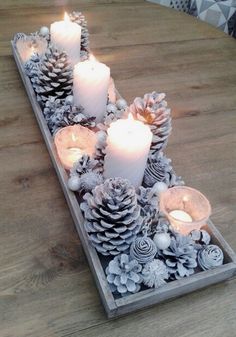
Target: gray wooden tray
115	307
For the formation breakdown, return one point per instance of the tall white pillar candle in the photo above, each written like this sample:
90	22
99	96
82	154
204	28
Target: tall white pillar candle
66	35
90	87
128	145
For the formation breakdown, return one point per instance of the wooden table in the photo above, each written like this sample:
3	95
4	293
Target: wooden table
46	287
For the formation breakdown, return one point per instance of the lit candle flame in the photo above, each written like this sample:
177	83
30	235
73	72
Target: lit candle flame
73	136
66	17
92	58
130	117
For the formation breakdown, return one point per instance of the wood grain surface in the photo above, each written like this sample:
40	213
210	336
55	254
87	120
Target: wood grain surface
46	287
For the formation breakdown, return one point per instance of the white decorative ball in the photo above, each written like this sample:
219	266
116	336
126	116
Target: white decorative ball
121	104
159	187
73	183
44	31
162	240
69	100
111	108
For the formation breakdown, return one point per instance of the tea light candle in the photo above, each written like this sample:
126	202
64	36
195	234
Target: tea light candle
72	142
66	35
186	208
128	145
181	215
90	87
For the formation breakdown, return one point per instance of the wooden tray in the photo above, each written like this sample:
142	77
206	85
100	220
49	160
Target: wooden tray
115	307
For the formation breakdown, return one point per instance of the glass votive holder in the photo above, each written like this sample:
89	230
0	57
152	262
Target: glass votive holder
185	208
72	142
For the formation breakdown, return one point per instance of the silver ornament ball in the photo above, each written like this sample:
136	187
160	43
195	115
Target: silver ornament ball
73	183
162	240
69	100
159	187
44	31
121	104
111	108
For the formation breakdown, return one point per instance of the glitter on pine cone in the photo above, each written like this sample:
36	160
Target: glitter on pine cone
54	76
152	110
112	216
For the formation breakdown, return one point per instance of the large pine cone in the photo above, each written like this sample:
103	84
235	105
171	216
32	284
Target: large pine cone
79	18
152	110
180	257
54	76
112	216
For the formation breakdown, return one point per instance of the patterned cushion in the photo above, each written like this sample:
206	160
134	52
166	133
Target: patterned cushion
180	5
217	13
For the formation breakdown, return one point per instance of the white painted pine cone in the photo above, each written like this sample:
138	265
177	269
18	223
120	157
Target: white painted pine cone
155	274
210	257
112	216
143	249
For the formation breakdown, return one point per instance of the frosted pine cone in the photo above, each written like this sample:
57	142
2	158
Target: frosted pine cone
59	114
79	18
124	274
180	257
143	249
101	148
32	66
155	274
112	216
200	237
152	110
159	169
210	257
149	208
54	76
84	165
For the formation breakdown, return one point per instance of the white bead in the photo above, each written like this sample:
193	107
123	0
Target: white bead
44	31
73	183
159	187
162	240
121	104
111	108
69	100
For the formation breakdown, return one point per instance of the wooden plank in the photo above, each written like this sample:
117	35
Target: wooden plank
145	298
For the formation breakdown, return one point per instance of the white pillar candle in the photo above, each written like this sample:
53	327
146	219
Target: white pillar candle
66	36
90	87
128	145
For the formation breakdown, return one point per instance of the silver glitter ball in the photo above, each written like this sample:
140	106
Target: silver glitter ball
44	31
111	108
69	100
73	183
162	240
121	104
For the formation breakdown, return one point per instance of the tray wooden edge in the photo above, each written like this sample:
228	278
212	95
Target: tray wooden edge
146	298
91	254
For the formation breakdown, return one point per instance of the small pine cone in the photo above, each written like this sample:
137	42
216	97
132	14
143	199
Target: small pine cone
79	18
152	110
155	274
149	208
32	66
100	148
200	237
124	274
210	257
54	76
159	169
180	257
143	249
112	216
84	165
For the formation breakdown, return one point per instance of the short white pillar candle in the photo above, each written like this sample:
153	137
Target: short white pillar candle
90	87
128	145
66	35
